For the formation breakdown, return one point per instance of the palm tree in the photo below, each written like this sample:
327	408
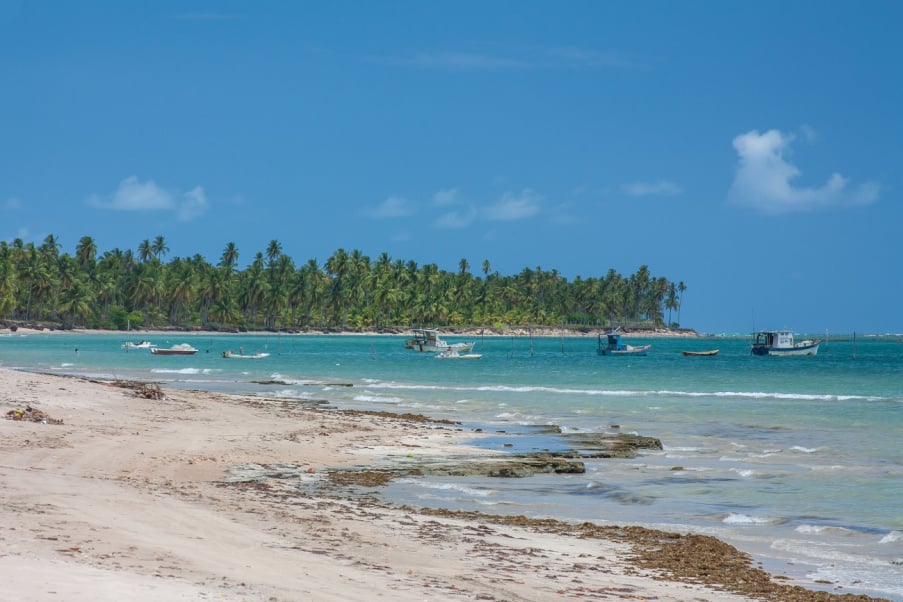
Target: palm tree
51	246
42	282
182	289
86	251
158	248
274	250
681	287
77	302
144	251
229	258
8	280
39	280
671	301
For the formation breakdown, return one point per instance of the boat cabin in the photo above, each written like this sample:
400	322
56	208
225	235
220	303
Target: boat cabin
614	342
774	338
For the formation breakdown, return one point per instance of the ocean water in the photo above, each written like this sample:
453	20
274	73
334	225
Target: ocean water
798	461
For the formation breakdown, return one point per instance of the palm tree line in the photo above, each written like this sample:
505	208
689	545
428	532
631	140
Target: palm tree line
350	290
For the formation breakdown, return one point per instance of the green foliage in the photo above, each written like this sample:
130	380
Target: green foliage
349	290
118	318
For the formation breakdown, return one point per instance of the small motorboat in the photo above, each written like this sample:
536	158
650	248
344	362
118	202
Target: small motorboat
139	345
242	356
180	349
454	354
708	353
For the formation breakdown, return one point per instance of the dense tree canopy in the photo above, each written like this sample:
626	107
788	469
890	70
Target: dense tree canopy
349	290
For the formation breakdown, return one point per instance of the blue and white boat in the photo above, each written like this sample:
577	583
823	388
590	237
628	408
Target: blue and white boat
780	343
614	346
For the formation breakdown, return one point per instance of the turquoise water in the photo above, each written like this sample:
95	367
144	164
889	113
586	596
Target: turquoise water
797	460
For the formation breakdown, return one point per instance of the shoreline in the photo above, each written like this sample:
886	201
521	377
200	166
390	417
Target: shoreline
544	331
203	494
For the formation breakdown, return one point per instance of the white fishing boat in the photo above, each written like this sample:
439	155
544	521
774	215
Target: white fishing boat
781	343
242	356
454	354
180	349
428	339
137	345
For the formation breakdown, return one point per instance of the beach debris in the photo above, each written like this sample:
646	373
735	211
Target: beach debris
142	390
361	478
149	391
30	414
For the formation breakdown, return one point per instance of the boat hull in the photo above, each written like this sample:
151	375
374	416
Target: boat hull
641	350
798	349
454	355
181	349
709	353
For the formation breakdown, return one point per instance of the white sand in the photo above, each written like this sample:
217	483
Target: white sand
124	502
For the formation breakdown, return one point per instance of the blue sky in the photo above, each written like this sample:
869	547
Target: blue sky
750	150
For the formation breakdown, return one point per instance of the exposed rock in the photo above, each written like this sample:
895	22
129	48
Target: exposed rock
604	445
507	467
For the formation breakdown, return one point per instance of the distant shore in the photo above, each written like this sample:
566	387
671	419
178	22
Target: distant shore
514	331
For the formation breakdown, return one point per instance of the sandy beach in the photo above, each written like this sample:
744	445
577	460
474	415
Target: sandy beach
112	495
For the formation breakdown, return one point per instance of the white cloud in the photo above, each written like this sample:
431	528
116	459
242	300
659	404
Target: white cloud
194	204
514	206
391	207
660	188
764	179
135	195
456	219
511	58
564	215
447	196
589	58
459	60
808	133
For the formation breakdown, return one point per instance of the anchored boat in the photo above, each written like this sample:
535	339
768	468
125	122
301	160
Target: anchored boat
243	356
428	339
614	346
781	343
181	349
